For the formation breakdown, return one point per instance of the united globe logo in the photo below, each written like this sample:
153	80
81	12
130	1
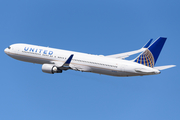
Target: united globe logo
146	58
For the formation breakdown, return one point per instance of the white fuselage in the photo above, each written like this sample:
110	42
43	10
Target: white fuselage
80	61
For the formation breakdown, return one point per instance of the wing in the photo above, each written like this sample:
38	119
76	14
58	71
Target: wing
127	54
63	65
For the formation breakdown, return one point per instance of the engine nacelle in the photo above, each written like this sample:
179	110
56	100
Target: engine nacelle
50	68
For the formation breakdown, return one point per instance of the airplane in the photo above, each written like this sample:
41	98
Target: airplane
58	60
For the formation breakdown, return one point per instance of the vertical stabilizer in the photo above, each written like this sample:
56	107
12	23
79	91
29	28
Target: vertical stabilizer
150	56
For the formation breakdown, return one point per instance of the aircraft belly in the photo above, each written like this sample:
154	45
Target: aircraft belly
104	71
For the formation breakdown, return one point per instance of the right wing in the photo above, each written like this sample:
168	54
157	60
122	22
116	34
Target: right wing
127	54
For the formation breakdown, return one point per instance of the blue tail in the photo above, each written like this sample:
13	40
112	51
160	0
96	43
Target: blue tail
150	55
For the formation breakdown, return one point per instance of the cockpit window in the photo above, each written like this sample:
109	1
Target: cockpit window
9	47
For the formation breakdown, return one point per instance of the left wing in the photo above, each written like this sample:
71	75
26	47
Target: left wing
127	54
62	65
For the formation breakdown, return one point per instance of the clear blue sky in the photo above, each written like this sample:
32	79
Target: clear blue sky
96	27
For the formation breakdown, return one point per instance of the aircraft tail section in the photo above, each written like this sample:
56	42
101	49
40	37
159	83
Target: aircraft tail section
150	55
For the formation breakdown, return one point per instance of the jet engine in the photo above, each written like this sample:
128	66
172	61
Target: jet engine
50	68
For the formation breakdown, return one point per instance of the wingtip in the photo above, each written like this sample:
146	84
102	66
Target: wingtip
147	44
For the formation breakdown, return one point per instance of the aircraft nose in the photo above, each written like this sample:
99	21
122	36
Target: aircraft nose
6	50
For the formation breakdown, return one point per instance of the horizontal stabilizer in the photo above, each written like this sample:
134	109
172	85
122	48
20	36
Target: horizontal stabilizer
164	67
